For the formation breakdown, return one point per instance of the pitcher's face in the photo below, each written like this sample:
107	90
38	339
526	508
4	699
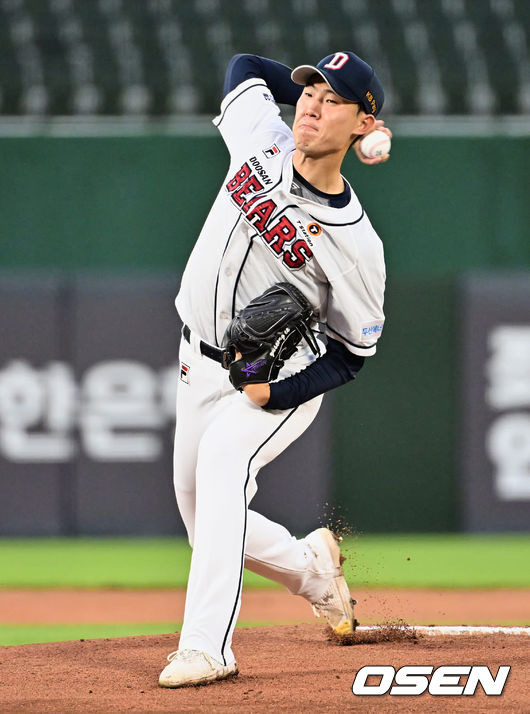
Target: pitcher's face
324	122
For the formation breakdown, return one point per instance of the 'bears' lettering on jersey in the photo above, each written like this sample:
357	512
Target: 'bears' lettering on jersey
282	232
258	210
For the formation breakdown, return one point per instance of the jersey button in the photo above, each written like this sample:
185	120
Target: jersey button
228	272
224	316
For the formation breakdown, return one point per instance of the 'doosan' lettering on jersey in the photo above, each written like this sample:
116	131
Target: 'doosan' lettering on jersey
280	234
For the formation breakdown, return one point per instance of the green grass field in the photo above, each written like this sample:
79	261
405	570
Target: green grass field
397	561
404	561
33	634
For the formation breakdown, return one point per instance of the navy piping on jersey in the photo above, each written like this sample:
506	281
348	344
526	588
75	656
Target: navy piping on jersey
245	530
236	283
258	82
350	223
359	347
217	279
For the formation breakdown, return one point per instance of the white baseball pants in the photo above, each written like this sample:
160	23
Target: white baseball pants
222	439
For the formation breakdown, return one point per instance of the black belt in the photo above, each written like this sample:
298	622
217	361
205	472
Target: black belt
207	350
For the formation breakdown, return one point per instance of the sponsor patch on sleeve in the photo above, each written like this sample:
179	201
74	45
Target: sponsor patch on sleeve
373	329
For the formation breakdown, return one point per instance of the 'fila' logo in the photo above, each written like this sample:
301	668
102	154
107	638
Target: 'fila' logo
338	61
271	151
184	372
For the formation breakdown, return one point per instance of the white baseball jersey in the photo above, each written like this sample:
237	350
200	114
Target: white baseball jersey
259	233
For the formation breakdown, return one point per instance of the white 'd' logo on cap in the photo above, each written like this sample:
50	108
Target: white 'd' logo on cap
338	61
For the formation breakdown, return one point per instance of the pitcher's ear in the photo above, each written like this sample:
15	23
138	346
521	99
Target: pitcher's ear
366	124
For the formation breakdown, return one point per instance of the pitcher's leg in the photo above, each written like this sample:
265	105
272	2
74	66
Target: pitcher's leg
197	405
274	553
238	443
311	567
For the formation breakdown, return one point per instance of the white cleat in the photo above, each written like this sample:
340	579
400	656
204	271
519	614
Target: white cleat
336	605
189	667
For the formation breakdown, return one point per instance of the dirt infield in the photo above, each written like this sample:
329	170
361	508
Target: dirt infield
453	607
292	668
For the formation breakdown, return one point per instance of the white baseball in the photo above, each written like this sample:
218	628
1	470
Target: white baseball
375	144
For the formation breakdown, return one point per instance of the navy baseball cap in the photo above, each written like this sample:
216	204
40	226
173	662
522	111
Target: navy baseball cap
349	76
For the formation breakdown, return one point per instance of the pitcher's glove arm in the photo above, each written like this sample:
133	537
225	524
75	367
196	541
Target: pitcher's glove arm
266	333
338	366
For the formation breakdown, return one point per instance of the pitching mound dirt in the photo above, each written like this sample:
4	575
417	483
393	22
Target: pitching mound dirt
285	668
397	631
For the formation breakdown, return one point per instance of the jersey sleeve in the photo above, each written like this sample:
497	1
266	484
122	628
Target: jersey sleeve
355	314
277	77
247	111
336	367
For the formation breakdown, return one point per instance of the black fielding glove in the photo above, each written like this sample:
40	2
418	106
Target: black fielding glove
267	332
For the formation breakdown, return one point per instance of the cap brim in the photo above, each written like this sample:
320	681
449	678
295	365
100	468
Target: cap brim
301	74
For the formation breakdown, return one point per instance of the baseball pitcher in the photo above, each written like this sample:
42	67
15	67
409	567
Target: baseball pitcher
281	301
